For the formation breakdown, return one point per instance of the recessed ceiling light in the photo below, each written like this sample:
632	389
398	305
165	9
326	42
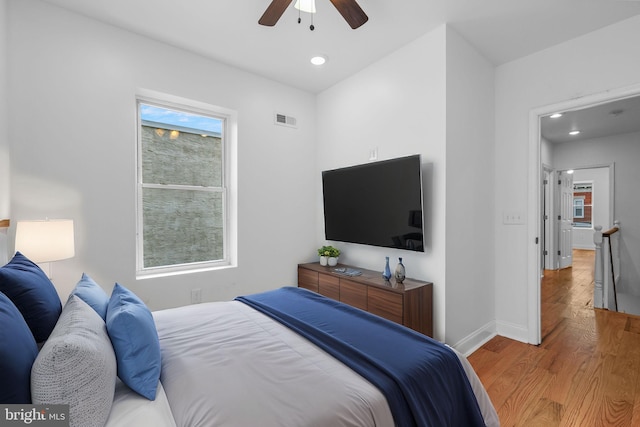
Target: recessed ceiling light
574	132
318	60
555	115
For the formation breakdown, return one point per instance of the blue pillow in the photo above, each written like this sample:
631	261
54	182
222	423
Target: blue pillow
18	350
135	341
91	293
33	293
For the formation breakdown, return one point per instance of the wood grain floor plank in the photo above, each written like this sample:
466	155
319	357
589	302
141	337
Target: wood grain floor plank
519	406
546	413
586	372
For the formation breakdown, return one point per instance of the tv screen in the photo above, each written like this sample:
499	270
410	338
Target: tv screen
377	204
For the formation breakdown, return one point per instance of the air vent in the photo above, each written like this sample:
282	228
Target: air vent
284	120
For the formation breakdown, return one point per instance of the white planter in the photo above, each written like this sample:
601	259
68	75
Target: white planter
332	261
323	260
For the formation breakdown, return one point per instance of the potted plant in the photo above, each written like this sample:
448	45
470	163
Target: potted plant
328	255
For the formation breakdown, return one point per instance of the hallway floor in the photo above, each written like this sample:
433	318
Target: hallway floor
586	372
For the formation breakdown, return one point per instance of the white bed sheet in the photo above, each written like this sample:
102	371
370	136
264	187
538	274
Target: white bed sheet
225	364
130	409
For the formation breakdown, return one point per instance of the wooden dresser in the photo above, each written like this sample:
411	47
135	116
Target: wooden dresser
408	303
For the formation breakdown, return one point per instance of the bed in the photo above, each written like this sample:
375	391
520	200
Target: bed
232	364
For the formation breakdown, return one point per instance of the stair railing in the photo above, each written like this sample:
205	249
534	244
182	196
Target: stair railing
607	267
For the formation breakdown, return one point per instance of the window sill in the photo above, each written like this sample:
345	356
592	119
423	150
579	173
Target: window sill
167	272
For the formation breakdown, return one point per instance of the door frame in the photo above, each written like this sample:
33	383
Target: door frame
547	230
534	195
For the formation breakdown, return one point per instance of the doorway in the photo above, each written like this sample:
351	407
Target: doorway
590	204
537	191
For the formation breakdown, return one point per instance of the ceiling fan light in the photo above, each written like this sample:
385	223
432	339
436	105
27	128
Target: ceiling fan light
308	6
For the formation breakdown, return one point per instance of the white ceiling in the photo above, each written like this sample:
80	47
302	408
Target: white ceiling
611	118
228	30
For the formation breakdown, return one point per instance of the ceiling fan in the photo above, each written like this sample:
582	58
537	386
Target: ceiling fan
349	9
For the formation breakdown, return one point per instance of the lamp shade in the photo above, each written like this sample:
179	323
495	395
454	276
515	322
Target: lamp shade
45	241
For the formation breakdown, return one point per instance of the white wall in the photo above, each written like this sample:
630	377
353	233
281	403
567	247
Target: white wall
72	83
594	63
546	152
433	97
397	105
470	306
72	86
4	142
624	151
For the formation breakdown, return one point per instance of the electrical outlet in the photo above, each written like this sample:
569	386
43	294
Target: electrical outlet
373	153
196	296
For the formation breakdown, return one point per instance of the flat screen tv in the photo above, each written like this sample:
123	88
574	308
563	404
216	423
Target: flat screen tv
378	204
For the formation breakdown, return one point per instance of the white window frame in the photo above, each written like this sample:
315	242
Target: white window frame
578	203
229	183
582	206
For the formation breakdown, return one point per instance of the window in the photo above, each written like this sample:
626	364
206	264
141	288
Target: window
582	204
183	193
578	207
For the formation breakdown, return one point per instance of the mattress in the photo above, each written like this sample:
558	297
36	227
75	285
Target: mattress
131	409
224	363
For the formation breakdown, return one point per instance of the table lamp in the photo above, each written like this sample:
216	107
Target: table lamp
45	241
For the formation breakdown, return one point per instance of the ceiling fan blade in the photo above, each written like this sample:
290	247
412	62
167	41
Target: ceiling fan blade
274	12
351	12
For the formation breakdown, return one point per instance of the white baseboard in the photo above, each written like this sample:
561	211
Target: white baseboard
476	339
585	247
482	335
513	331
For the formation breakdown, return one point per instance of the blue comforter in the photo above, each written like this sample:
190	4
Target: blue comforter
422	380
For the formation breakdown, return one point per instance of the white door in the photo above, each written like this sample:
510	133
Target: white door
547	220
565	219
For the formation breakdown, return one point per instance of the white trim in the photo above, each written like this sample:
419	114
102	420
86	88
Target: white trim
579	206
513	331
228	187
533	235
535	184
476	339
584	247
550	259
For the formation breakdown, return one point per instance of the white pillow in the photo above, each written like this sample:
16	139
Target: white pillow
77	366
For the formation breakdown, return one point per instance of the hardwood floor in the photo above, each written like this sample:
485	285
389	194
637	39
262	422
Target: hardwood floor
585	372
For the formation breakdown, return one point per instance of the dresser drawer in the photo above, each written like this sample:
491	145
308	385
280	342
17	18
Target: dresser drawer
329	286
385	304
353	293
408	303
308	279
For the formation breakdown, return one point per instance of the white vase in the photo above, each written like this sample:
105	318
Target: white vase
333	261
323	260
